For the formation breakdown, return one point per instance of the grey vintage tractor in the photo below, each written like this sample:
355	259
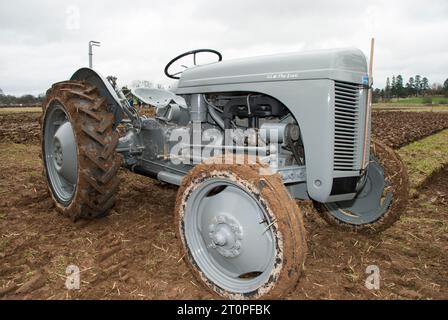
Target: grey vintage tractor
244	139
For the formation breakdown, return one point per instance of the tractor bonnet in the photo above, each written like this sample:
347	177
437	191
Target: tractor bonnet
337	64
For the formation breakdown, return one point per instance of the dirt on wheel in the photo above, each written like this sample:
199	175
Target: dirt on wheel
287	227
134	254
396	177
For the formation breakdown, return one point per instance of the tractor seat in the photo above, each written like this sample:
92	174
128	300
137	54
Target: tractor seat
158	98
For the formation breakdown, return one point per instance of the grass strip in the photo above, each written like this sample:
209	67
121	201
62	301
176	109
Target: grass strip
424	157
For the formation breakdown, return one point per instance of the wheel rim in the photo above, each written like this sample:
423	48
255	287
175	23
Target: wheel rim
371	203
60	153
227	235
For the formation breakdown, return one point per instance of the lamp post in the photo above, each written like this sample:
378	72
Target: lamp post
91	45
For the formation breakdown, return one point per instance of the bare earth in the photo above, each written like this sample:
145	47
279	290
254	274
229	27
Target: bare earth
133	253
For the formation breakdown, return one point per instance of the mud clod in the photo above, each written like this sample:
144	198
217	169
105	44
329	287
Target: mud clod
36	282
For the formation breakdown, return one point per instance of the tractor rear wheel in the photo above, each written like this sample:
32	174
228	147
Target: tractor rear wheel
380	202
78	150
243	235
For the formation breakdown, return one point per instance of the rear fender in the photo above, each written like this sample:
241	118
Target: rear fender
105	88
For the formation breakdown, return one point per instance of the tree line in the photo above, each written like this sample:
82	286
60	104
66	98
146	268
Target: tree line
416	86
27	99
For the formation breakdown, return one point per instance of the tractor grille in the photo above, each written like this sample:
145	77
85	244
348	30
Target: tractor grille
346	126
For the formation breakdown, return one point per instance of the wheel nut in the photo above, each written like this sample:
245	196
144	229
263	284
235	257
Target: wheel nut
219	239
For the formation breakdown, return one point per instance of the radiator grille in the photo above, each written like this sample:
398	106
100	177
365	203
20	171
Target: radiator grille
346	126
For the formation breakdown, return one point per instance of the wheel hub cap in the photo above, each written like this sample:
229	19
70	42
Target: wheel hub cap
226	235
60	152
57	154
64	152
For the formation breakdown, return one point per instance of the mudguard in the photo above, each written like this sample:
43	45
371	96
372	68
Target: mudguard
105	88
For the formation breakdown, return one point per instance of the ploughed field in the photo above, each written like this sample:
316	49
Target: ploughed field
133	253
400	128
20	128
396	128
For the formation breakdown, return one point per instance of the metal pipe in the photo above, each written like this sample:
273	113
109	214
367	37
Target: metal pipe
216	117
163	166
143	172
365	161
233	148
92	44
170	177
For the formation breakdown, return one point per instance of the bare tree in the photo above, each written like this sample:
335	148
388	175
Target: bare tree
142	84
113	81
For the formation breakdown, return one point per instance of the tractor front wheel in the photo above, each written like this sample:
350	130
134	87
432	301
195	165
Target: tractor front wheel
381	200
242	233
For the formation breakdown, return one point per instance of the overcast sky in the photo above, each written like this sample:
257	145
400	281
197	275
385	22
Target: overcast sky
45	41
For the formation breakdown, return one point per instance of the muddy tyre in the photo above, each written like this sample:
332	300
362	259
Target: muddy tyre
78	150
242	233
380	202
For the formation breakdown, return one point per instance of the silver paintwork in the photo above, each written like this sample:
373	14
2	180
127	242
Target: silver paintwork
337	64
104	87
371	203
198	111
158	98
225	243
303	82
64	152
117	102
170	177
279	129
312	100
60	152
91	45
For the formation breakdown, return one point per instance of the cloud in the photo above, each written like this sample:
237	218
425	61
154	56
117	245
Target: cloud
45	41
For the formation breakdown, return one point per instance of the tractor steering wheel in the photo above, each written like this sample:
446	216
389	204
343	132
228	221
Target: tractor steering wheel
193	52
